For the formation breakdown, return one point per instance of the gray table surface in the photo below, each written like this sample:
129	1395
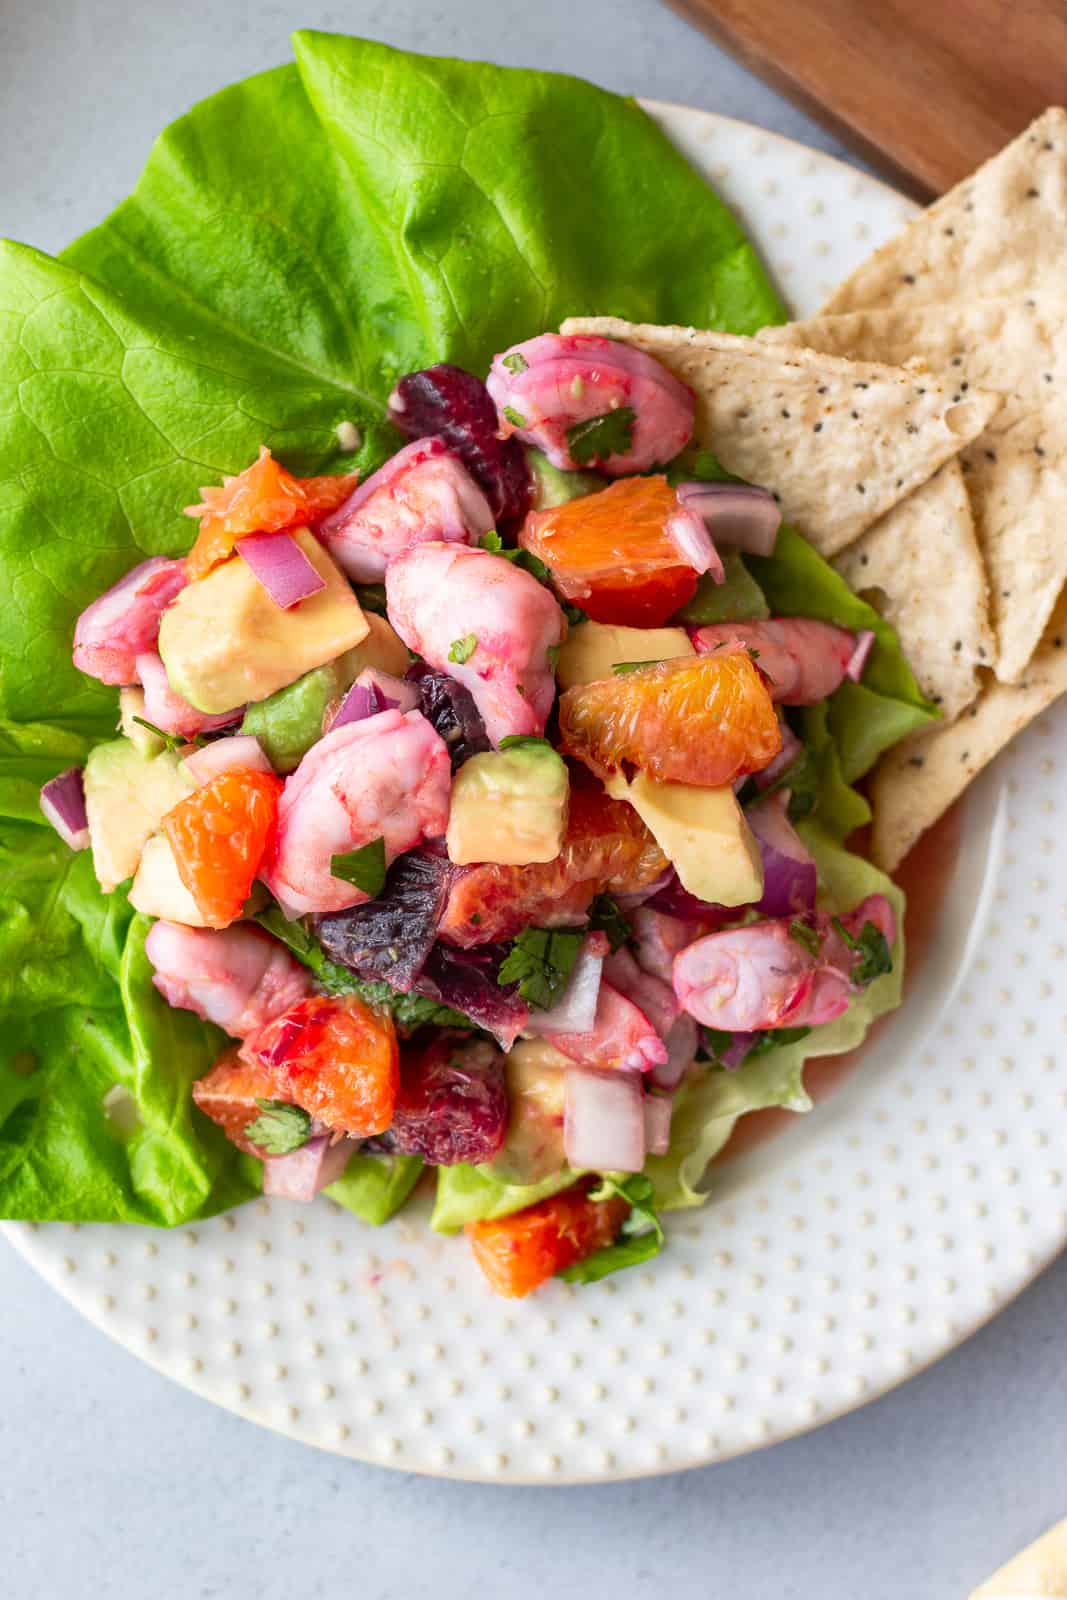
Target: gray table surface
116	1484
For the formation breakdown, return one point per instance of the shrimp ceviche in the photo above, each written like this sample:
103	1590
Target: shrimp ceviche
472	800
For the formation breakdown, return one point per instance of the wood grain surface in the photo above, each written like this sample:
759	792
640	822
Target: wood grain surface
924	89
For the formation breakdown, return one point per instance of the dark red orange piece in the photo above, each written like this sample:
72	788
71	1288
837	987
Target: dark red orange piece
520	1252
337	1058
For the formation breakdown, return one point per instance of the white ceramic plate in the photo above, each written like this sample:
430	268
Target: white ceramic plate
833	1262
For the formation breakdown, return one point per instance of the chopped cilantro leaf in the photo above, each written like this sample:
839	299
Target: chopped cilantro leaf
365	868
772	1038
461	650
801	778
640	1237
597	438
371	597
622	667
540	962
492	542
279	1128
703	465
516	741
872	946
173	741
805	935
516	362
605	915
516	418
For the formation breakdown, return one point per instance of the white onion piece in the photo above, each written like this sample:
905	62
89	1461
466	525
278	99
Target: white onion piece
658	1108
63	803
604	1121
858	659
688	533
302	1173
241	752
575	1010
737	514
281	567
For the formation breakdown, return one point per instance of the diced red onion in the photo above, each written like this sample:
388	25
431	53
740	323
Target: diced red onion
790	877
302	1173
281	567
658	1108
575	1010
242	752
63	803
791	748
396	692
736	1051
681	1042
688	532
604	1121
363	700
737	514
858	659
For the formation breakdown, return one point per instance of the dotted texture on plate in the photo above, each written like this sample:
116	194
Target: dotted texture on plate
832	1262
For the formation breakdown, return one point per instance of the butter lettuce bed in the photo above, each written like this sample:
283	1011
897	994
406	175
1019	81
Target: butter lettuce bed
294	245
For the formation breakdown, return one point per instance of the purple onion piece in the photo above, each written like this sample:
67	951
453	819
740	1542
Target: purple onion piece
363	700
281	567
737	514
791	748
790	877
63	803
733	1056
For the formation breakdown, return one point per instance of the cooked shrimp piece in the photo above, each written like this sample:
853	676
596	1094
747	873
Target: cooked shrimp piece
621	1038
802	660
124	622
387	777
239	978
423	492
487	624
562	393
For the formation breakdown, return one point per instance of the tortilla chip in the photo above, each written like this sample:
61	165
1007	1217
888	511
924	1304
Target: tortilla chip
1040	1569
1016	472
1001	231
919	778
839	442
923	562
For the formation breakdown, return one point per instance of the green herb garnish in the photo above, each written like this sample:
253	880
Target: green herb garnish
461	650
876	958
364	868
518	741
640	1237
605	915
597	438
173	741
279	1128
621	668
540	962
371	597
516	362
516	418
805	935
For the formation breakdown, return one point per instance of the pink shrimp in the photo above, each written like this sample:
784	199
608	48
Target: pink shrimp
564	380
423	492
484	622
650	994
621	1037
124	622
239	978
167	709
659	937
803	660
387	777
774	974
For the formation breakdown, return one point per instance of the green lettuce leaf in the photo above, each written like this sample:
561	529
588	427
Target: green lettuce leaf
738	598
375	1187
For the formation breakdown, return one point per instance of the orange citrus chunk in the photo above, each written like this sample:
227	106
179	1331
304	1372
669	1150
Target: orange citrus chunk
703	719
609	552
218	835
520	1252
335	1057
606	848
264	498
230	1093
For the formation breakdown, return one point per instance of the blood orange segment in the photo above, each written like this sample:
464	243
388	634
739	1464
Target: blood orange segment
606	847
218	836
702	720
337	1058
520	1252
229	1095
264	498
610	553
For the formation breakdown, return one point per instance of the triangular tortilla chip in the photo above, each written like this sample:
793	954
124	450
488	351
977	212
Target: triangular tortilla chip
917	781
1001	231
1017	471
1040	1569
923	563
839	442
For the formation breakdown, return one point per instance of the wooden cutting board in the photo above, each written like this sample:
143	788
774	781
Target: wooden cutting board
925	90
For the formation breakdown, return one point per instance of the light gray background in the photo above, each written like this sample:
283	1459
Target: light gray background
117	1485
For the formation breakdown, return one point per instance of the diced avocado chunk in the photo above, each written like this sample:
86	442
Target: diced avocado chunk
289	722
549	486
509	806
533	1145
703	832
224	642
131	706
158	890
126	795
592	649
